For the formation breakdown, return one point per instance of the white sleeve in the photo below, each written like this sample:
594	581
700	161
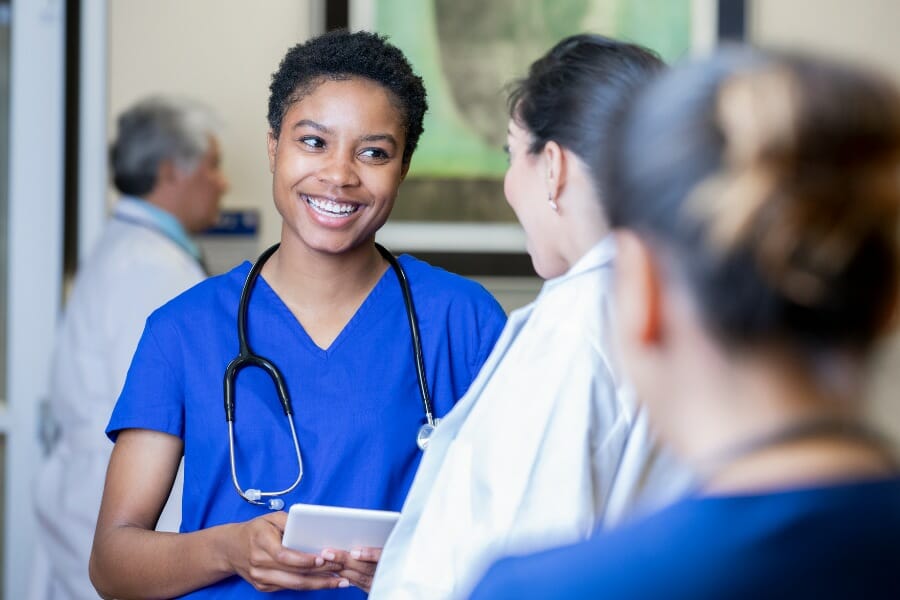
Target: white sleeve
518	477
132	301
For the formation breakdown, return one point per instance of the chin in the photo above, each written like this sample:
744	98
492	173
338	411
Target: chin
546	271
538	267
326	244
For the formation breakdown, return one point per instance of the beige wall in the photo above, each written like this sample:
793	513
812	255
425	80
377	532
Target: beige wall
865	32
221	52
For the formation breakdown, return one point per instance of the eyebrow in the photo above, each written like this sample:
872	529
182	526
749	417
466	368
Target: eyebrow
311	123
379	137
374	137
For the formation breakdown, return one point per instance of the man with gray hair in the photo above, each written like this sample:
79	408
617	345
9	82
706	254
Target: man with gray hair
165	163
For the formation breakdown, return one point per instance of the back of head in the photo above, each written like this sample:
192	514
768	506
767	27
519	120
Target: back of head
772	184
154	130
340	54
576	91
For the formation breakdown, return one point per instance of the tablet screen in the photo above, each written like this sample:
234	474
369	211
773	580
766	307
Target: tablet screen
312	528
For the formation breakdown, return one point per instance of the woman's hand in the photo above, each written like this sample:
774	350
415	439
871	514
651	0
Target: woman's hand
357	566
258	556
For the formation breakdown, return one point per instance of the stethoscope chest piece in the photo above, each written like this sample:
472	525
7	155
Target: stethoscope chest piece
425	433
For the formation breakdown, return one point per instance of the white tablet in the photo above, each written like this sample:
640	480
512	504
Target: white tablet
312	528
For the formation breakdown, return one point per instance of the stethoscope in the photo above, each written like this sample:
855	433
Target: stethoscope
246	357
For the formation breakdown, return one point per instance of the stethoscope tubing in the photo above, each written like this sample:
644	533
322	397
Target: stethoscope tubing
427	404
246	357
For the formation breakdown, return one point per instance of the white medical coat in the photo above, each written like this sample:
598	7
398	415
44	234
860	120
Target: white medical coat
547	445
133	270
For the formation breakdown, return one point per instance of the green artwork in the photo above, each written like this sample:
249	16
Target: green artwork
469	50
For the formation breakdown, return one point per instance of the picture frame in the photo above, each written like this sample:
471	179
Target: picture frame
451	208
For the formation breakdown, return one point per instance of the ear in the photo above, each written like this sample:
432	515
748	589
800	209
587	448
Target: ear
272	147
638	290
404	169
166	173
556	164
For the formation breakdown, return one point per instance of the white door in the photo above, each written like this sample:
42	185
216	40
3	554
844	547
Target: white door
31	212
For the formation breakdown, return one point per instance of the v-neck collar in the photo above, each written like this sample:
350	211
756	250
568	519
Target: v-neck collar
305	340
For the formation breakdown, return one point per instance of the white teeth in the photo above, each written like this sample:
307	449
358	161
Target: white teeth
330	207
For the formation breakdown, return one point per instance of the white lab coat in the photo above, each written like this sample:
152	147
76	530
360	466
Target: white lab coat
547	445
133	270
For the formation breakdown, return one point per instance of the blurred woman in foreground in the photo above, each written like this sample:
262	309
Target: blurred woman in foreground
757	202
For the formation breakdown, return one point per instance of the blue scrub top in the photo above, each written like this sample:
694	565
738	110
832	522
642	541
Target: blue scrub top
840	541
357	407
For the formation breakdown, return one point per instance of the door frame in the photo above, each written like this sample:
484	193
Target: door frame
34	254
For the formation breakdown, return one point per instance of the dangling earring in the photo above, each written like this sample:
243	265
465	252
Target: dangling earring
553	203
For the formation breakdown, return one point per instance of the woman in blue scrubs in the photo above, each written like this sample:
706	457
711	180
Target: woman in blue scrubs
758	206
345	113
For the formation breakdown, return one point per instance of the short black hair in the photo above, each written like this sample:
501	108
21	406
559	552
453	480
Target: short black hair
339	54
575	92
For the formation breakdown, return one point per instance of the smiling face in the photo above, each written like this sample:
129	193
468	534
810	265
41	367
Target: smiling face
336	165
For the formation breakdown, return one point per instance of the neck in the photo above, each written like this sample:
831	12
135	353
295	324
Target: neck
581	238
580	228
166	201
751	423
807	453
582	222
304	277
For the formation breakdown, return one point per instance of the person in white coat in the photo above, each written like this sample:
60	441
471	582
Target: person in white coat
549	443
165	162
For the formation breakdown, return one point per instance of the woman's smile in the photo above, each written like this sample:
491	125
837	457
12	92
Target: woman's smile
330	207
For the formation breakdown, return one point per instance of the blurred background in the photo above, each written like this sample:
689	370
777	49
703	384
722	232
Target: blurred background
67	68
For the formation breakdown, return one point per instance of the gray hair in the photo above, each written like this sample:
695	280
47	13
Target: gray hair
158	129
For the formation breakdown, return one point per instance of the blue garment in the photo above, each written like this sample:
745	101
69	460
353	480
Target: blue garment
356	404
840	541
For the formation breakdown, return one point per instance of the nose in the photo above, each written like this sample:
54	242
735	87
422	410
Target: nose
338	171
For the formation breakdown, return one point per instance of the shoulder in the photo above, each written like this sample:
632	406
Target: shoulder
576	310
434	286
613	564
210	299
127	253
141	246
436	280
129	274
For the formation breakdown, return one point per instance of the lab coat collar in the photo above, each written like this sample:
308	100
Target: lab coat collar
600	255
141	212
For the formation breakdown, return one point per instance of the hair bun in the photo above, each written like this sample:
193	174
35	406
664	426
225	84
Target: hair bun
810	177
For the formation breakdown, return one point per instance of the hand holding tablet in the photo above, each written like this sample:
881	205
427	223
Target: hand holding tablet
313	528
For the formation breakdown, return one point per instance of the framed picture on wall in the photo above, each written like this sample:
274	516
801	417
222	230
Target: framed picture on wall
468	51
